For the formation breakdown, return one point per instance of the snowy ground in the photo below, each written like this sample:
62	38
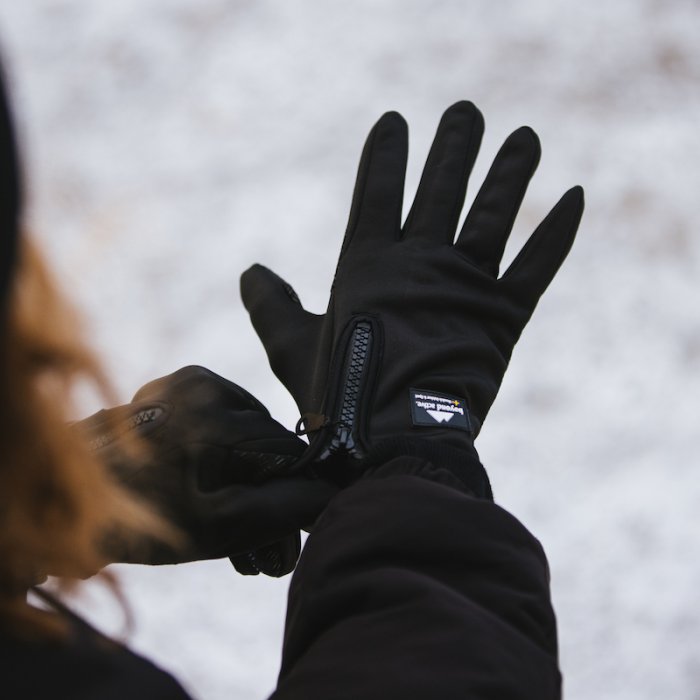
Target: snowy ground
171	143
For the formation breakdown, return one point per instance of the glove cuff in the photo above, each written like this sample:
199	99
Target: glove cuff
464	464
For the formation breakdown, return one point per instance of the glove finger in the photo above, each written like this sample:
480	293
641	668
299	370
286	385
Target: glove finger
265	294
245	564
196	385
490	220
375	212
276	559
440	196
116	428
285	328
540	258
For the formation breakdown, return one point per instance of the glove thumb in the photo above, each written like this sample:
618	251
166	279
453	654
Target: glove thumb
282	324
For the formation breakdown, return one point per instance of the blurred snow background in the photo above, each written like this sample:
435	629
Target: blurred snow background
172	143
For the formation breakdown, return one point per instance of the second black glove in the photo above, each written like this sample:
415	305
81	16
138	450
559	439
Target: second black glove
208	455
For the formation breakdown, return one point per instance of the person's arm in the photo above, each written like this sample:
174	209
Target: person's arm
414	584
409	587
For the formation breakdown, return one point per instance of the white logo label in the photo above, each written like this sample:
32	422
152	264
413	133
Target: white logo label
440	416
431	408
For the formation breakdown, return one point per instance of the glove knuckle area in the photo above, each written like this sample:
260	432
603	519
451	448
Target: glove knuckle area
195	392
171	382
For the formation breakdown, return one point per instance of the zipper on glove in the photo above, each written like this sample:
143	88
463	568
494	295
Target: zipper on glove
345	423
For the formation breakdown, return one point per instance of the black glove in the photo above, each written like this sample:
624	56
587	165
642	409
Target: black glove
419	327
212	460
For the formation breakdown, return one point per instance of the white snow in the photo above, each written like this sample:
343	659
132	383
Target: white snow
171	143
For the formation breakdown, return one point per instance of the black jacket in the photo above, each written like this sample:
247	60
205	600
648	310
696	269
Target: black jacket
408	588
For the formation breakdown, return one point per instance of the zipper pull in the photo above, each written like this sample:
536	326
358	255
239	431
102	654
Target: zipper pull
342	441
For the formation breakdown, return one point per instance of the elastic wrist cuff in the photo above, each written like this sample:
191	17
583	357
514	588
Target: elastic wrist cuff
463	464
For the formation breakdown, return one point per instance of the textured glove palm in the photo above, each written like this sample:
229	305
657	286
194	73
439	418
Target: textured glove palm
418	324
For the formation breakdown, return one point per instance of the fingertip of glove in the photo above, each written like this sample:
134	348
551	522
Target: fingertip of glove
467	111
576	192
245	564
465	107
259	282
527	133
572	202
252	278
525	139
577	205
392	120
244	284
254	269
565	218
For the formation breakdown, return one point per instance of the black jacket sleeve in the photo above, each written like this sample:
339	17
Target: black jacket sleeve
80	664
409	587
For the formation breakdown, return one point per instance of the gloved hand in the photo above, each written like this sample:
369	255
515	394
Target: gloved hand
208	455
419	327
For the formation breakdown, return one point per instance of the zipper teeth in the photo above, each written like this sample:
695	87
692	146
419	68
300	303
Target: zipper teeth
358	358
343	440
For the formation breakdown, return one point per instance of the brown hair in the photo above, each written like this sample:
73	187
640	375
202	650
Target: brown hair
56	500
